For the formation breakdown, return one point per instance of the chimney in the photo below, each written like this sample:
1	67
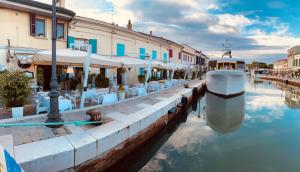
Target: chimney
129	25
60	3
150	32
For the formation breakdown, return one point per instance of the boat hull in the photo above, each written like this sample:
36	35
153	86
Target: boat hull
225	83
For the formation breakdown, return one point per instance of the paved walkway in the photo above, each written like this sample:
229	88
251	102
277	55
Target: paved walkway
23	135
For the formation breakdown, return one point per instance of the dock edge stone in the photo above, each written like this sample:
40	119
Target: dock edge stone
84	147
48	155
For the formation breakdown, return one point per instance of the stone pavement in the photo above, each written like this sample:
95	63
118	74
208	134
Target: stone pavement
23	135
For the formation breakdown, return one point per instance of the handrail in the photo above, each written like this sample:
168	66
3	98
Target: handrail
76	123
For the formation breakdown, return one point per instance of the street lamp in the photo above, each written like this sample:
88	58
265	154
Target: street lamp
54	116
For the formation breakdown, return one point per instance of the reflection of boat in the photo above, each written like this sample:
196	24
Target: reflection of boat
229	77
224	115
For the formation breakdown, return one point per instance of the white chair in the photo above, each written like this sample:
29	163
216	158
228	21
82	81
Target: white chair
111	98
64	105
142	91
73	100
40	107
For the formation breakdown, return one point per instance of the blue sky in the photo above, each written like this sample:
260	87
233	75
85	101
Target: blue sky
260	30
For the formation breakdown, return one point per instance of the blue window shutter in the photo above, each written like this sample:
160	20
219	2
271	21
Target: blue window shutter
93	43
142	53
142	71
165	57
70	41
154	54
120	49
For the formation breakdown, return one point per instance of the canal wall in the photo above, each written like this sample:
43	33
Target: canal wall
170	112
291	82
132	123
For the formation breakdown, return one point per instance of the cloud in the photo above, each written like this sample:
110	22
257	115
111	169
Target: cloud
203	24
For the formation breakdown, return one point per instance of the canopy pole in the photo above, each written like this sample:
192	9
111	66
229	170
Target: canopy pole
172	75
86	75
148	71
186	72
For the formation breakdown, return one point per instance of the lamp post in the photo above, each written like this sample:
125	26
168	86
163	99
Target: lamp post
54	116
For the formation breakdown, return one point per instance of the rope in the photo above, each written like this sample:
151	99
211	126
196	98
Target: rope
76	123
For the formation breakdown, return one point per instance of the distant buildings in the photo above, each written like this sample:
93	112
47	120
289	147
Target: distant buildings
281	65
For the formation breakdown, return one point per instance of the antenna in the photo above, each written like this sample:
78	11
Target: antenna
227	49
227	46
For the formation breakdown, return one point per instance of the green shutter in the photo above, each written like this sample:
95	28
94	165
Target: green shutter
70	41
93	43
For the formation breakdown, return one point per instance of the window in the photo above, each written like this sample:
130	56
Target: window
154	54
120	49
170	53
60	31
40	27
179	55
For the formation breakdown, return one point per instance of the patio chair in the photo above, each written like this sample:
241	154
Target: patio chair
73	100
40	107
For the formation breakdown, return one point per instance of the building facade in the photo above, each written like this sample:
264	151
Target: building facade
292	52
281	65
26	29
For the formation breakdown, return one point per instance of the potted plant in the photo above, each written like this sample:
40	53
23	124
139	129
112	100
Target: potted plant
141	79
122	70
14	91
121	92
161	84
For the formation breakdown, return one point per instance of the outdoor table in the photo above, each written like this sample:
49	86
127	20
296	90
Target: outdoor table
98	97
110	98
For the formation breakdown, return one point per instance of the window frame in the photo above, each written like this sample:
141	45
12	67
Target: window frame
36	25
63	31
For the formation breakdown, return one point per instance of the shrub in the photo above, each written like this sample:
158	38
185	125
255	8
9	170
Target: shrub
141	78
14	88
101	81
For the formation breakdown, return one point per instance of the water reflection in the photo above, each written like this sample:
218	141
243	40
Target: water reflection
227	116
292	95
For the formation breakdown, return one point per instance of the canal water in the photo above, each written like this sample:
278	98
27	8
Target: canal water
255	132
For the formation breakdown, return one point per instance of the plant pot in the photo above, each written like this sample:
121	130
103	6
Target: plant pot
122	95
17	112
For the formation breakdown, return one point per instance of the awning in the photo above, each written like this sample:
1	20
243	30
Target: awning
74	57
130	62
161	65
24	58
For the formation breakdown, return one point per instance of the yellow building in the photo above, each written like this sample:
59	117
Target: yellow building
113	41
26	29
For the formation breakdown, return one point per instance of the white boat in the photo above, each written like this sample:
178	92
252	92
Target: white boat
228	116
228	77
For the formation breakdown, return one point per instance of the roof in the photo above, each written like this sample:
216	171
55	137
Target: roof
35	6
185	45
226	59
281	60
99	22
163	39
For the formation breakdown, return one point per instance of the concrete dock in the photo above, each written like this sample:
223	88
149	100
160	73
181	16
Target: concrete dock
127	124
